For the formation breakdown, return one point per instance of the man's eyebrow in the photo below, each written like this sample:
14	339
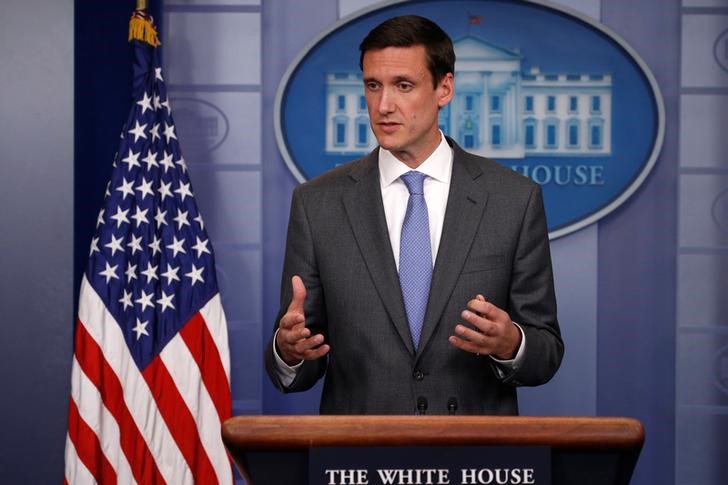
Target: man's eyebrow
399	79
396	80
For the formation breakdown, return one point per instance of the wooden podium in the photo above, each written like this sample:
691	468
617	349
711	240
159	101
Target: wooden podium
584	450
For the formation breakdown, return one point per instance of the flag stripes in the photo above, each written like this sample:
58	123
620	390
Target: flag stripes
90	452
204	352
181	455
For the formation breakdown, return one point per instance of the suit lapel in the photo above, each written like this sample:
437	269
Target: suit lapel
465	204
364	207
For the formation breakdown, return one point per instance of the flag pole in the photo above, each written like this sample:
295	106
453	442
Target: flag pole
142	4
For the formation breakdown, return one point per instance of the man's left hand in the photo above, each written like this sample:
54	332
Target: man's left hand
491	332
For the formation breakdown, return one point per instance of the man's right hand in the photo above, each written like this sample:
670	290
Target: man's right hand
293	340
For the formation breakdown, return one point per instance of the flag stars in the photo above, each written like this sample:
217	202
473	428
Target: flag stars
145	300
165	301
167	161
199	220
115	245
94	246
155	132
146	205
130	272
140	328
126	300
183	191
195	275
140	217
145	188
145	103
165	190
120	216
154	245
110	272
132	159
135	244
201	246
126	188
138	131
176	246
149	190
182	164
150	160
171	274
160	217
169	132
150	272
181	219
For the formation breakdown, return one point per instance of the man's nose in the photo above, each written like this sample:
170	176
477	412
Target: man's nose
386	101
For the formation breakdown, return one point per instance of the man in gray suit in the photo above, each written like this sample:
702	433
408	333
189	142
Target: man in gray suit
389	334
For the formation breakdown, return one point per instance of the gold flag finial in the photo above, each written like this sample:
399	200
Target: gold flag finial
141	25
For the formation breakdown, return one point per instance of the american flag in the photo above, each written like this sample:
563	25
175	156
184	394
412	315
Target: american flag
150	382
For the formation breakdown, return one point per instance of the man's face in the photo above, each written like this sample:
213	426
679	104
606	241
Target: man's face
402	102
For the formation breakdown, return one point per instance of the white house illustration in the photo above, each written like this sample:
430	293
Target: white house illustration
498	110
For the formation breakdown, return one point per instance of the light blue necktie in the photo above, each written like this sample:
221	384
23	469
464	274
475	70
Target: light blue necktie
415	255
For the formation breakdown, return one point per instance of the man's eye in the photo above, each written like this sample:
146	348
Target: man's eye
372	86
405	86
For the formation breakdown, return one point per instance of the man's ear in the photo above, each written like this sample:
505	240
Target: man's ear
445	89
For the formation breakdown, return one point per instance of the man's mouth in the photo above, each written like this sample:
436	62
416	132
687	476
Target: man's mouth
388	126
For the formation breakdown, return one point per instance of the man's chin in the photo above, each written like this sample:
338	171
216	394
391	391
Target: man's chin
387	142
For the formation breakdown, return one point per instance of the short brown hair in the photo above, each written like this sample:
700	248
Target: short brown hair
408	31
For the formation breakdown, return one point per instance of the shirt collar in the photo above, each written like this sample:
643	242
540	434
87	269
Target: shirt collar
437	166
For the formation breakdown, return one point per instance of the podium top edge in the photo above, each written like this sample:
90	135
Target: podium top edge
301	432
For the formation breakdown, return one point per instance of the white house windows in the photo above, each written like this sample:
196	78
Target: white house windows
495	104
572	133
341	103
528	104
529	133
469	135
551	133
362	131
495	134
596	104
596	133
573	104
469	103
550	104
340	131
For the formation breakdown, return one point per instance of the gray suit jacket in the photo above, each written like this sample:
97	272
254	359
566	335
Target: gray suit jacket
494	242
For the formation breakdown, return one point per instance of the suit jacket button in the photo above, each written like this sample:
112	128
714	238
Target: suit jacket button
418	375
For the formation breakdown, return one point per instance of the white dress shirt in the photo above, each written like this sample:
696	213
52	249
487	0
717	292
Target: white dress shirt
438	168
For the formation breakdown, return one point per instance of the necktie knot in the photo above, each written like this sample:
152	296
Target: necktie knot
414	181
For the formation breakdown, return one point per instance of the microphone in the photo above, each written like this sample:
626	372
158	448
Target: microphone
421	405
452	405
